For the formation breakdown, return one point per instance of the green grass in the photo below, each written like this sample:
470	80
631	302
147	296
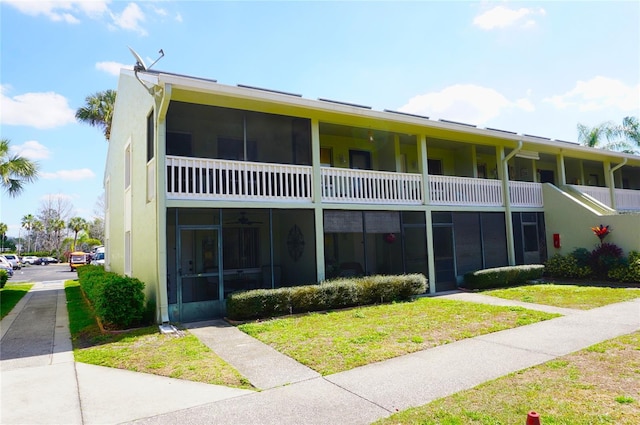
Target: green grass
338	341
598	385
145	350
10	295
568	296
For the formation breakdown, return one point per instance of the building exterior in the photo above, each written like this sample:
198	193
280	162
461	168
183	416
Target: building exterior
214	188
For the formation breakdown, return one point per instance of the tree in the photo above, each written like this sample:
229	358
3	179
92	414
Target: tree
3	232
15	170
27	223
609	136
76	224
98	111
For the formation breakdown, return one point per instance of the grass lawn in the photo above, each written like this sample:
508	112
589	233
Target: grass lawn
598	385
338	341
180	356
569	296
10	295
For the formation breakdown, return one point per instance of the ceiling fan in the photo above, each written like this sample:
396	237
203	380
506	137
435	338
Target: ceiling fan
243	220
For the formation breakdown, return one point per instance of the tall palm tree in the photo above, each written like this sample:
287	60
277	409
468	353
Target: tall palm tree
609	136
98	111
27	223
3	232
15	170
57	225
76	224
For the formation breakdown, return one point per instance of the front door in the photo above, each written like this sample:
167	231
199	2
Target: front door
199	292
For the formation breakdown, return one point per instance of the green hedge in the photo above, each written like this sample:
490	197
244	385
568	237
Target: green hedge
117	300
629	271
339	293
4	276
502	276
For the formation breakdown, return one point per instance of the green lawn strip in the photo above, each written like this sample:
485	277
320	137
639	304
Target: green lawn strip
145	350
568	296
10	295
598	385
341	340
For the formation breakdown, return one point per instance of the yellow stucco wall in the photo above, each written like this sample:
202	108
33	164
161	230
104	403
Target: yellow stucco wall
573	221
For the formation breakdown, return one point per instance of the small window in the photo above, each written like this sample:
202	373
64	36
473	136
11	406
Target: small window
434	166
150	136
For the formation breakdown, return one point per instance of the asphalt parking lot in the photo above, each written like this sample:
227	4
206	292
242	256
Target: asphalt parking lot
43	273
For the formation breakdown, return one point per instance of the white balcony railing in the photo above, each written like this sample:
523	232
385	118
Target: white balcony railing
449	190
525	194
199	178
216	179
371	187
626	199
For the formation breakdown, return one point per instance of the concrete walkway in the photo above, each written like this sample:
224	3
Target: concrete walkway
42	384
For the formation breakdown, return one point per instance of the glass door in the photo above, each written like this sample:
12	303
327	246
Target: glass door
199	272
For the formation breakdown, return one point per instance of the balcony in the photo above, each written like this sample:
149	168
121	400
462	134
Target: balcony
626	199
215	179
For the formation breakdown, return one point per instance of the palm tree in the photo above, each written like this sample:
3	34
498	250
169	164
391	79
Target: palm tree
57	225
3	232
76	224
609	136
27	223
98	111
15	170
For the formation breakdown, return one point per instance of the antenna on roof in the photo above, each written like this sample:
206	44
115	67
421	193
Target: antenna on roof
140	66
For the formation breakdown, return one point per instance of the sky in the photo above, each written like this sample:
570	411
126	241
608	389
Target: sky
535	68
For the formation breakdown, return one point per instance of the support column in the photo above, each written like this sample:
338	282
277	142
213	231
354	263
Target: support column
508	220
562	174
317	199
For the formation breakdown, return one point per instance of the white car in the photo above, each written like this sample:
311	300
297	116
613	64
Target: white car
5	265
14	260
29	259
98	259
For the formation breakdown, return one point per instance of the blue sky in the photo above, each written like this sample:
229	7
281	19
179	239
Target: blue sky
531	67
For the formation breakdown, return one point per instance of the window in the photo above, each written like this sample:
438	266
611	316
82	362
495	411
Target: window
127	166
150	136
241	247
434	166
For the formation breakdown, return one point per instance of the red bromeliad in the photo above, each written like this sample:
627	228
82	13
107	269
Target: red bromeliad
601	231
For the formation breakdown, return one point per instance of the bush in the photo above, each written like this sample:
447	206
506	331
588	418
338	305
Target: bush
502	276
340	293
629	271
605	257
4	276
571	266
117	300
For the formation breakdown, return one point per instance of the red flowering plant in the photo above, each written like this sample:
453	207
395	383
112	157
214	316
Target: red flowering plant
601	231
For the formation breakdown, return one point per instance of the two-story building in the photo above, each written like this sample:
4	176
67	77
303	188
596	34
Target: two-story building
213	188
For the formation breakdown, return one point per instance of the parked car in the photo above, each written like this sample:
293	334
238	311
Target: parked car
29	259
44	261
14	260
4	265
98	259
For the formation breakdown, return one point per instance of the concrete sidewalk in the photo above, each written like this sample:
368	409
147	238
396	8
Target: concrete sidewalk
42	384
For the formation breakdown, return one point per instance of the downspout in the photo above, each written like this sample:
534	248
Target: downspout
161	204
511	250
612	185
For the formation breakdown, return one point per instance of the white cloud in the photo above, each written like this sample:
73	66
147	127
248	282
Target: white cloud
70	175
112	68
61	11
51	197
503	17
39	110
130	19
32	150
178	17
464	102
597	94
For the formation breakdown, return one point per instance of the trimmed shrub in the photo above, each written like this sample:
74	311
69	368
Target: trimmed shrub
629	271
502	276
117	300
568	266
4	276
340	293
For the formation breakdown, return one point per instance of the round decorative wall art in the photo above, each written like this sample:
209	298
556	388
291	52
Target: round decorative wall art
295	242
